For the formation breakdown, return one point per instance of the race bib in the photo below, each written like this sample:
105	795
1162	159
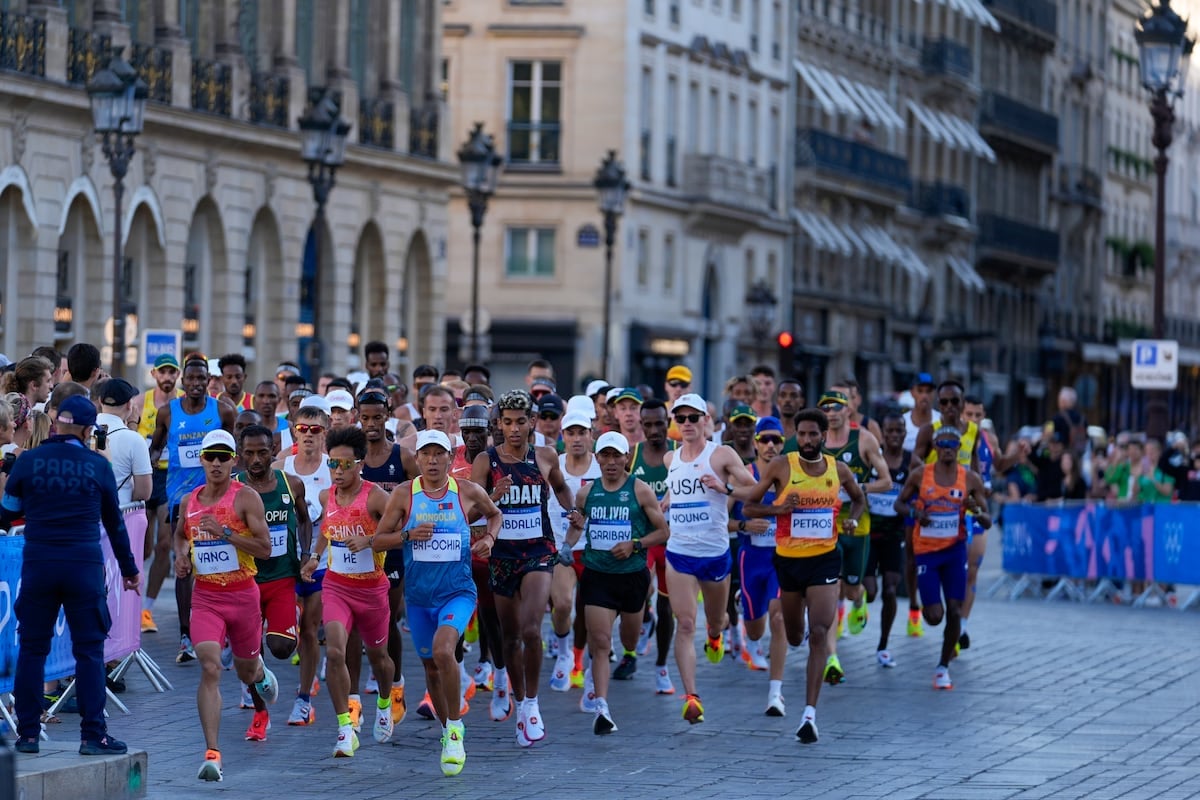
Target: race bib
279	540
213	556
443	548
343	561
521	523
765	539
691	517
189	455
813	523
883	504
604	535
941	526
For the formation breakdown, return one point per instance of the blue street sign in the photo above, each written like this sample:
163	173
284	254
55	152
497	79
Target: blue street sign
157	342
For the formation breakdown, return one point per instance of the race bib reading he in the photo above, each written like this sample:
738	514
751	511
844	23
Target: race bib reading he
348	563
941	526
213	556
279	540
442	548
604	535
813	523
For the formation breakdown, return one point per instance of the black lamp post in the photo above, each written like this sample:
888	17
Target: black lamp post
760	314
323	147
612	188
480	171
118	97
1165	53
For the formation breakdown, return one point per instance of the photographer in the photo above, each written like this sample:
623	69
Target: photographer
125	449
64	491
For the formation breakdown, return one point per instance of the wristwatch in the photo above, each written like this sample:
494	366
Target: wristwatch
637	546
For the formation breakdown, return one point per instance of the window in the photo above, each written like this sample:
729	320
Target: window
529	253
669	262
693	118
755	24
647	115
673	11
731	135
648	8
752	133
672	126
749	270
643	257
776	31
714	113
773	155
534	106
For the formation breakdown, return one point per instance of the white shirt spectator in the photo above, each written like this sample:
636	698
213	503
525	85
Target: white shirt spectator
128	452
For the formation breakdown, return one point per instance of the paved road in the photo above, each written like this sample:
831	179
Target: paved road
1052	701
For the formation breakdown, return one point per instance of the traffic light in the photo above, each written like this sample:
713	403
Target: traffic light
787	356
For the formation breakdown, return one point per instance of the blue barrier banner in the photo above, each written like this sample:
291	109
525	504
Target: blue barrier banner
10	582
1023	538
1122	536
1176	544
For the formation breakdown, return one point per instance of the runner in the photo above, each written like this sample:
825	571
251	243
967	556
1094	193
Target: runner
438	413
222	530
375	356
886	553
990	460
938	497
699	475
355	587
522	560
179	429
764	381
232	371
950	395
432	512
858	419
742	419
627	407
623	518
549	411
790	399
679	383
424	375
922	413
342	413
807	558
759	583
647	463
158	533
266	403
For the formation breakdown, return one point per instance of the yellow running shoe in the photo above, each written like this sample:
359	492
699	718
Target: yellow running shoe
915	628
453	754
693	712
857	618
715	649
833	671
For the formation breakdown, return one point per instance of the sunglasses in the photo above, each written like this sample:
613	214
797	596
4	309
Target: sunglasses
692	418
769	439
947	443
949	401
341	463
538	395
310	428
678	384
549	415
832	407
220	456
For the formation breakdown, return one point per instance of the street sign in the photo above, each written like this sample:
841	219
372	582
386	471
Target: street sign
1154	364
157	342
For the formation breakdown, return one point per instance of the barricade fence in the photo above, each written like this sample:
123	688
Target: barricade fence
1092	551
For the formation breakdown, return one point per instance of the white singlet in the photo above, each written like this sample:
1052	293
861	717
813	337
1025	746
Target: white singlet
558	517
699	516
314	482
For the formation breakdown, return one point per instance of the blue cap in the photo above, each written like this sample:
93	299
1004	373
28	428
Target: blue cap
768	424
924	379
77	410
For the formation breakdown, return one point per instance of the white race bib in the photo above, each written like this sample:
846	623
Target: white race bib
604	535
765	539
813	523
347	563
883	504
214	556
279	540
522	523
941	526
691	517
189	455
443	548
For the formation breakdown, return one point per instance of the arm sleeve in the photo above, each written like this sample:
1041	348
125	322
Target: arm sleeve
114	523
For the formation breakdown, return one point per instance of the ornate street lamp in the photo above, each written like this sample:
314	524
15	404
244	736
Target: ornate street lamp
760	313
612	189
480	172
118	97
1165	52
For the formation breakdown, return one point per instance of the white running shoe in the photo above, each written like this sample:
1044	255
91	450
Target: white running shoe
210	770
757	658
587	703
501	706
383	723
301	713
775	707
522	739
372	686
268	687
535	727
807	732
662	681
560	679
247	701
941	679
603	723
321	671
347	742
885	658
483	676
643	643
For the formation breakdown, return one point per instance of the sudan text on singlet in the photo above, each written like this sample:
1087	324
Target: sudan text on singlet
522	494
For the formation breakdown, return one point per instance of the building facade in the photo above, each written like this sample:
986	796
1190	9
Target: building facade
692	94
217	220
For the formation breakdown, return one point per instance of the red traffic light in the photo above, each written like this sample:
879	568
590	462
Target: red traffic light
785	339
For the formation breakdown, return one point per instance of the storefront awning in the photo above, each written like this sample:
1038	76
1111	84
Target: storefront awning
838	95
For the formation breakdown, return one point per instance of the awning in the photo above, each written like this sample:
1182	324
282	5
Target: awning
824	234
966	273
951	131
838	95
973	10
913	263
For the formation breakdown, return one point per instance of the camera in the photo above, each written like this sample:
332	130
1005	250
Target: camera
7	464
100	437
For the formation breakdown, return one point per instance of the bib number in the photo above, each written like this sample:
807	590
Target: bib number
279	540
214	556
815	523
443	548
347	563
520	524
605	535
941	526
189	455
691	517
765	539
883	504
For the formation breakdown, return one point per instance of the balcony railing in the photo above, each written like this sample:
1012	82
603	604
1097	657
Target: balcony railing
853	160
423	131
726	182
1078	184
947	57
212	88
942	200
22	44
533	144
154	67
377	123
86	51
1022	122
269	97
1039	15
1017	238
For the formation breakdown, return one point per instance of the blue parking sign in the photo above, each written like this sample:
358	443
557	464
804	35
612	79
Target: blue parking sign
1145	354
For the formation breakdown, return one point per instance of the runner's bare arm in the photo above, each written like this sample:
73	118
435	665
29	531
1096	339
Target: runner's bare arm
869	451
578	523
977	500
547	461
923	446
388	533
858	500
183	560
162	424
249	506
304	526
660	531
228	417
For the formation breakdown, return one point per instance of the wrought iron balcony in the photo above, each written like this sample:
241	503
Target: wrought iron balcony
377	123
154	66
23	44
947	57
269	99
1078	184
1002	116
942	200
853	160
212	87
86	50
726	182
1004	238
423	131
1039	16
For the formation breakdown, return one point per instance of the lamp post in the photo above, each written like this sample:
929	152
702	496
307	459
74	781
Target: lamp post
480	171
760	313
118	98
612	188
1165	52
323	147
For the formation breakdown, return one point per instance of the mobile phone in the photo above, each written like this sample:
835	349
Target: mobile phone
100	437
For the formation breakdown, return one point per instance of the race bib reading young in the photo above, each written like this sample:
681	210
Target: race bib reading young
691	517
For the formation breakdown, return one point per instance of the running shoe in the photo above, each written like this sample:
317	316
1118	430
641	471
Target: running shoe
355	708
399	706
372	686
259	725
425	707
316	687
383	723
662	681
646	636
807	732
841	619
885	658
247	701
857	618
587	703
321	669
560	679
915	628
693	712
833	671
186	652
535	727
501	707
268	687
625	669
472	634
468	685
577	678
347	742
964	641
754	657
210	770
603	723
484	676
295	659
522	739
941	679
465	708
775	707
148	624
454	755
714	649
302	713
550	647
227	656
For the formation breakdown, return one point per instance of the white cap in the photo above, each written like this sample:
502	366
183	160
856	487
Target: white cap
614	441
612	393
425	438
582	404
340	398
905	400
576	419
691	400
358	378
316	401
594	387
218	438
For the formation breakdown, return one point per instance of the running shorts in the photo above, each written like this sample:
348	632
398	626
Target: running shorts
217	614
361	608
797	574
623	592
